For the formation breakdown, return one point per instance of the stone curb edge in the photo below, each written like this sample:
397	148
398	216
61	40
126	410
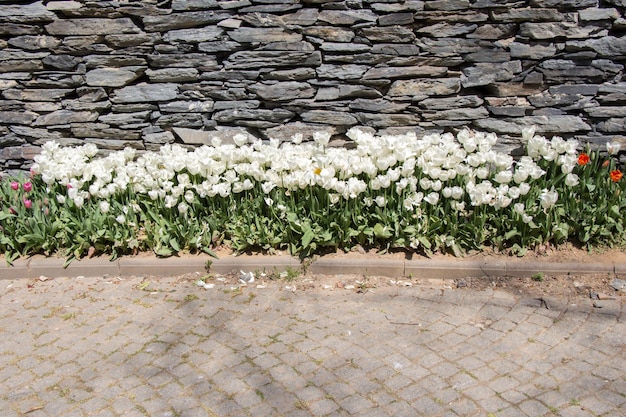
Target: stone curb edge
36	267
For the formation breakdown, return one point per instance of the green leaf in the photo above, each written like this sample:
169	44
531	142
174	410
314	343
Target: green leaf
456	250
307	238
164	252
511	233
68	261
561	232
381	231
4	216
174	244
209	252
423	240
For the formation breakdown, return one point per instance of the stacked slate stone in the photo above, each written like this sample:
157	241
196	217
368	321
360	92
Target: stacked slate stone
147	73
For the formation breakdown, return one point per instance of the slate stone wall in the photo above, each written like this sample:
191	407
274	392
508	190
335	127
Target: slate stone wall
146	73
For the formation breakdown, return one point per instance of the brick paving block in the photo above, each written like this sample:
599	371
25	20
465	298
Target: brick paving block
462	381
573	411
550	339
264	361
381	373
427	406
339	390
259	410
244	369
447	396
533	408
91	404
311	393
293	380
470	363
493	403
334	362
247	398
284	403
412	392
195	412
397	382
430	360
356	404
400	409
445	370
479	392
109	413
434	383
465	407
226	407
553	399
503	383
595	404
503	366
609	308
80	395
514	396
613	395
349	372
321	353
322	377
511	412
377	412
464	350
122	405
415	372
452	339
468	330
306	368
450	296
382	398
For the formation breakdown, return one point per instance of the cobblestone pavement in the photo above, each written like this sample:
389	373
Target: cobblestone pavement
167	347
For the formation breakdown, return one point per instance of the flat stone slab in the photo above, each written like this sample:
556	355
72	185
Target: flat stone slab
360	265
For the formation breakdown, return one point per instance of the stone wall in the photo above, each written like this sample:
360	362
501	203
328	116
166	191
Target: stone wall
146	73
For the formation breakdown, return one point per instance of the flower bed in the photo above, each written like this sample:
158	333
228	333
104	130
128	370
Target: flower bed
436	193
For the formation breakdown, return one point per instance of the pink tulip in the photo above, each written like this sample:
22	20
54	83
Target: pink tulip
28	203
15	185
28	186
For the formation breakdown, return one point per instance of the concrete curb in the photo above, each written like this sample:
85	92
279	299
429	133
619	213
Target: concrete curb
443	269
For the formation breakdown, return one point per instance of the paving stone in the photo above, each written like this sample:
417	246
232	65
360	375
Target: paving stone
454	368
356	404
412	393
533	408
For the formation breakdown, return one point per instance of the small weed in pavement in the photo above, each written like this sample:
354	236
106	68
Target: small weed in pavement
538	277
260	395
